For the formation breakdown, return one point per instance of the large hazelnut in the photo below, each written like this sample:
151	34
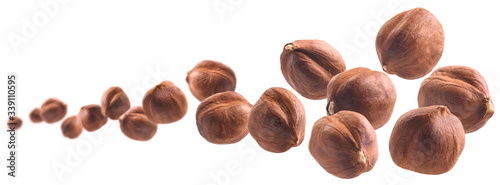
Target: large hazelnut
91	117
53	110
344	144
114	102
427	140
35	116
463	90
165	103
137	126
209	77
308	66
71	127
277	121
410	44
16	123
223	117
362	90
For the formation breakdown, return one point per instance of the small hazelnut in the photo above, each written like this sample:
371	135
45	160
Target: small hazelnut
165	103
209	77
35	116
278	120
427	140
15	124
53	110
308	66
71	127
344	144
114	102
137	126
91	117
223	117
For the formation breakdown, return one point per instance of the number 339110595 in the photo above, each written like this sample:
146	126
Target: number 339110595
11	96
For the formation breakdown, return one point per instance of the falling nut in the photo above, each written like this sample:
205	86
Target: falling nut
114	102
35	116
91	117
165	103
137	126
210	77
15	124
71	127
53	110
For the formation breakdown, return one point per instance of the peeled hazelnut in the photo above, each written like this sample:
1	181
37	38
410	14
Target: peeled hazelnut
165	103
35	116
308	66
362	90
223	118
410	44
137	126
463	90
344	144
91	117
136	109
15	124
278	120
53	110
71	127
114	102
209	77
427	140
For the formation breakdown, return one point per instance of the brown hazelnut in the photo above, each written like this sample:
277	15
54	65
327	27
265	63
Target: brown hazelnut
53	110
344	144
427	140
362	90
137	126
136	109
278	120
15	124
165	103
209	77
410	44
223	117
114	102
71	127
91	117
35	116
308	65
463	90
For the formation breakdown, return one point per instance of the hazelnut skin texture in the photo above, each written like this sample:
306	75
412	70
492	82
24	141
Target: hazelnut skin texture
210	77
344	144
223	118
18	123
463	90
308	66
410	44
114	102
137	126
91	117
277	121
362	90
427	140
35	116
53	110
71	127
165	103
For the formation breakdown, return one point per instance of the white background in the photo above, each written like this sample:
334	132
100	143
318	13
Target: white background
87	46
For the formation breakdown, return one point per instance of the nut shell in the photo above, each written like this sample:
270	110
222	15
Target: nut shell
277	121
114	102
137	126
344	144
35	116
223	118
91	117
362	90
210	77
463	90
165	103
427	140
410	44
53	110
308	66
71	127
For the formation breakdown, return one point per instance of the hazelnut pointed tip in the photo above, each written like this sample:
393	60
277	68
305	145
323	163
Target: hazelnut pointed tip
489	108
360	157
384	68
290	46
331	108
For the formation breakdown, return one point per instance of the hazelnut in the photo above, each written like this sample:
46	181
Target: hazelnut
165	103
136	109
15	124
344	144
35	116
427	140
137	126
410	44
277	121
308	65
114	102
223	117
53	110
91	117
362	90
71	127
209	77
463	90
